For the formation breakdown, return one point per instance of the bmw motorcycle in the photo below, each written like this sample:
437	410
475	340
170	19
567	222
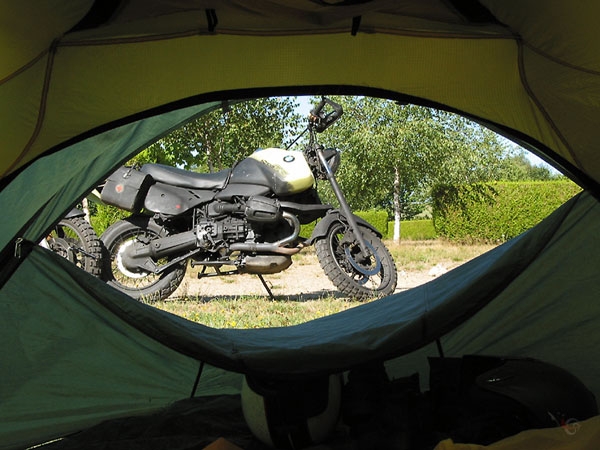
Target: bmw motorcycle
241	220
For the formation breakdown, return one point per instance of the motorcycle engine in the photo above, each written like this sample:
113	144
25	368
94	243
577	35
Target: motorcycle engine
236	222
230	229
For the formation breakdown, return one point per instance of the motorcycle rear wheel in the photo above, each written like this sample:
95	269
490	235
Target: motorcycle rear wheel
147	287
340	261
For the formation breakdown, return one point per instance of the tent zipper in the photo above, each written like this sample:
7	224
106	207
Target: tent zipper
12	260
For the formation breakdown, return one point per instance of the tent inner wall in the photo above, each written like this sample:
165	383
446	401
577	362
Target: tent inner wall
478	74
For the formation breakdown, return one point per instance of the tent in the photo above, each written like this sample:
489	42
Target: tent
85	84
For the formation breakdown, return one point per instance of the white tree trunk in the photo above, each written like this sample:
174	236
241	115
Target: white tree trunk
211	167
396	207
86	209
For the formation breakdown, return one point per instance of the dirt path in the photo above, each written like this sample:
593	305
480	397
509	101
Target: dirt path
304	278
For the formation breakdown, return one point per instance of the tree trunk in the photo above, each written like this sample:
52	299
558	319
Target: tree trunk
209	162
86	209
397	206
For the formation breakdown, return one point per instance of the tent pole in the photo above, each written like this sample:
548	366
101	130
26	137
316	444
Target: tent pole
197	379
439	347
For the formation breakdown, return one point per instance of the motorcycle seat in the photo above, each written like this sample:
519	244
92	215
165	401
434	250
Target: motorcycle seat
185	178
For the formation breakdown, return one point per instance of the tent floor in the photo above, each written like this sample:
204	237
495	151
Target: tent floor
187	424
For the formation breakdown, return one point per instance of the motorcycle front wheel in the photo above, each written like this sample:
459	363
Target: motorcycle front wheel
357	277
144	286
76	240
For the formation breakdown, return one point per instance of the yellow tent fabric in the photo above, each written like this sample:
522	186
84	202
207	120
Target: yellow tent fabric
573	435
530	67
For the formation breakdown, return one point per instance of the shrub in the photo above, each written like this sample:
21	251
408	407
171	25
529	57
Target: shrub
377	218
496	212
416	230
104	216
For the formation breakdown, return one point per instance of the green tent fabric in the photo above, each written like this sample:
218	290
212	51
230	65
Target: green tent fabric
97	354
85	84
56	181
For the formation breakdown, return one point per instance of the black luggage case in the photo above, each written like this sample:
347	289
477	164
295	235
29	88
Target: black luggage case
126	189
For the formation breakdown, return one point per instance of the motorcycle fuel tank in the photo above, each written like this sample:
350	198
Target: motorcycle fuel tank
290	166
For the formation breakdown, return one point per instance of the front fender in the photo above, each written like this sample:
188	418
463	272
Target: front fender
75	212
335	215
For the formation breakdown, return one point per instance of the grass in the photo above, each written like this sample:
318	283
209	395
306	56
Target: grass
419	255
260	312
255	311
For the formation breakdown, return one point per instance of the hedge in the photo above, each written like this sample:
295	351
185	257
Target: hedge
416	230
377	218
496	212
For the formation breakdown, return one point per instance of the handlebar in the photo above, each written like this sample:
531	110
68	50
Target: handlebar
319	119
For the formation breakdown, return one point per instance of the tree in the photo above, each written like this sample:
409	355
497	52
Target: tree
393	154
218	139
519	168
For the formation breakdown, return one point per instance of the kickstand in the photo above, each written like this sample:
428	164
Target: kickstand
264	283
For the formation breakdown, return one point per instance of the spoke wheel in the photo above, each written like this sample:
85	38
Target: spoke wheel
140	285
356	276
76	240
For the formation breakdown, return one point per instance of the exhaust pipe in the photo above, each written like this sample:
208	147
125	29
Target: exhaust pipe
273	247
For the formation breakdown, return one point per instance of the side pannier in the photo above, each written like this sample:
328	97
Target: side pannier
126	188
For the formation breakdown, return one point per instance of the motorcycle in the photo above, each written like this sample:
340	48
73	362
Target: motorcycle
246	218
74	238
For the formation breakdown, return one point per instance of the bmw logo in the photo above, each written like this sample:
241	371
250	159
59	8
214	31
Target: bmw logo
289	158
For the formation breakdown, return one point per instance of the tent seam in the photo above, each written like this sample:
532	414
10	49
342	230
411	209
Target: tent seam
538	104
560	61
42	108
23	68
242	32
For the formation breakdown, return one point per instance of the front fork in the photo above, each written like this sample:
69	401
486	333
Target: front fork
343	204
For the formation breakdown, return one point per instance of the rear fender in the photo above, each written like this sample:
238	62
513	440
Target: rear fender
335	215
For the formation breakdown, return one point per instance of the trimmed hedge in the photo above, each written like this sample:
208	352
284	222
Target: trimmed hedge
377	218
496	212
415	230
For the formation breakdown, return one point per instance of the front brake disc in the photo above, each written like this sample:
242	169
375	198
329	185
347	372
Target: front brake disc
361	268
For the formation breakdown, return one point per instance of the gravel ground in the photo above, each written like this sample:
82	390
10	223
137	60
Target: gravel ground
303	278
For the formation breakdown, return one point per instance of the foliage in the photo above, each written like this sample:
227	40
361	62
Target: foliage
392	154
518	168
496	212
414	230
377	218
218	139
103	216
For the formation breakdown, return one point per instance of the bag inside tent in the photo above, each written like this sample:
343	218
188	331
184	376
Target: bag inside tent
500	353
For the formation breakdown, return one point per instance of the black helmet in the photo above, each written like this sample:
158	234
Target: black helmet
551	395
